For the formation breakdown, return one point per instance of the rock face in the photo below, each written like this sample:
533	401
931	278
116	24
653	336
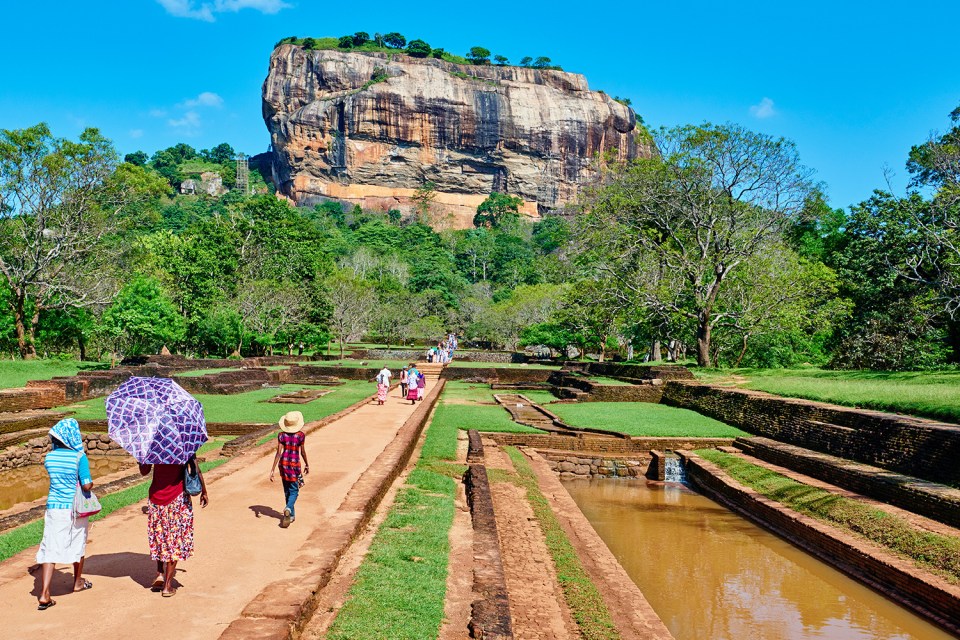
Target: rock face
370	128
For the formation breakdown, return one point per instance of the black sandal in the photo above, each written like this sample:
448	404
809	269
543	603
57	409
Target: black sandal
43	606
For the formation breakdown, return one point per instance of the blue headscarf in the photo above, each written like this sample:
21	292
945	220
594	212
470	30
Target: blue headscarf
67	431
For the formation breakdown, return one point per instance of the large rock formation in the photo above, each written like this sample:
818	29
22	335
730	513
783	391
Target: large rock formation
370	128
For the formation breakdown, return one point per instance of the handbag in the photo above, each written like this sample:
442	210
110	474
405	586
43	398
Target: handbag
191	478
85	503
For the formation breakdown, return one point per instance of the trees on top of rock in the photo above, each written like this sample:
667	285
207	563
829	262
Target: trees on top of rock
418	49
492	211
478	55
394	40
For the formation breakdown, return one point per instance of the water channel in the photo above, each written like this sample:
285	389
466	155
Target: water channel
31	482
710	574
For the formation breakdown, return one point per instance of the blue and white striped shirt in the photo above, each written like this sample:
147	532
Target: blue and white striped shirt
61	465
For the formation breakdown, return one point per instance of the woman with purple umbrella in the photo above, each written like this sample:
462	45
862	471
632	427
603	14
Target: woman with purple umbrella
163	427
170	521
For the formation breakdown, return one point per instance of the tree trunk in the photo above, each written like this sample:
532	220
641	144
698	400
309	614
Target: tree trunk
341	347
81	343
630	351
656	353
743	351
703	342
26	348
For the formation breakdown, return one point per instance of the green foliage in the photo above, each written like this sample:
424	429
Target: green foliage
526	61
142	319
501	61
394	40
345	42
932	551
418	49
491	212
478	55
541	62
138	158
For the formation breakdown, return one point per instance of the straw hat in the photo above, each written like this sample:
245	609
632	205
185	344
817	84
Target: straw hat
291	422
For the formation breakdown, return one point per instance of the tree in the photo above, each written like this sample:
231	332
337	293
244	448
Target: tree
220	154
418	49
550	233
268	308
422	200
378	39
394	40
438	53
526	305
360	38
60	201
501	61
478	55
308	44
492	211
542	62
672	229
345	42
352	303
526	61
142	318
138	158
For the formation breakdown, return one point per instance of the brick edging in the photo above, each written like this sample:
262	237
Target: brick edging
900	580
282	607
630	610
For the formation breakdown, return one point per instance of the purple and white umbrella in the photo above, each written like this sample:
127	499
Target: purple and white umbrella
156	421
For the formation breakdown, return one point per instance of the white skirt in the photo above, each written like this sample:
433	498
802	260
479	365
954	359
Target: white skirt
64	538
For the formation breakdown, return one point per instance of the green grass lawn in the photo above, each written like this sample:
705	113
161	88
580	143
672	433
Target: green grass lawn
247	407
539	397
934	394
644	419
400	587
16	373
610	381
938	553
466	405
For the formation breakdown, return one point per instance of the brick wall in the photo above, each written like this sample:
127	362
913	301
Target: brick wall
913	446
601	444
636	371
572	465
45	397
929	596
489	374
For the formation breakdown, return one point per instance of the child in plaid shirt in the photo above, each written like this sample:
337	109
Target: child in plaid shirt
289	451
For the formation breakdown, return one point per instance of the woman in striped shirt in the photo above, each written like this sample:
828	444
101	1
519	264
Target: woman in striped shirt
64	535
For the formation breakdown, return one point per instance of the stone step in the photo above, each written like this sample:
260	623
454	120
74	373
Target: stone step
935	501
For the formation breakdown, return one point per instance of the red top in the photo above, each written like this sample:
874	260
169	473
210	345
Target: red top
290	456
167	483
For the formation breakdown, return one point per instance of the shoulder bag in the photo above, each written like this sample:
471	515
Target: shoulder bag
191	478
85	503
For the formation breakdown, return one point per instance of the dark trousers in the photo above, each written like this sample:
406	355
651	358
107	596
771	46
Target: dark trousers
291	490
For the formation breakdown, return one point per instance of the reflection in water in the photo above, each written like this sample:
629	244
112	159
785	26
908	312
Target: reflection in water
29	483
710	574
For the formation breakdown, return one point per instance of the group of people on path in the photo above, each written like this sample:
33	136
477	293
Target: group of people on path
65	530
443	352
170	524
412	384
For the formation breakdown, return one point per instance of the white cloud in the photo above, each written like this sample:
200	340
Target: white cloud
158	113
136	133
190	121
185	9
205	99
764	109
206	11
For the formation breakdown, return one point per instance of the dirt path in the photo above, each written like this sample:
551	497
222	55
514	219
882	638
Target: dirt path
537	606
239	546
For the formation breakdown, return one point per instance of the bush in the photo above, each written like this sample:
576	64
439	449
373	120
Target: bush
345	42
478	55
418	49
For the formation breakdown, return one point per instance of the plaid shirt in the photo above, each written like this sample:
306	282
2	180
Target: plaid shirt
290	457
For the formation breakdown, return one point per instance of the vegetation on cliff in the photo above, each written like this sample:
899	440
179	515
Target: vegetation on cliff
397	43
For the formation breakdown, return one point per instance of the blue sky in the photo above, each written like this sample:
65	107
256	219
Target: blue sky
855	84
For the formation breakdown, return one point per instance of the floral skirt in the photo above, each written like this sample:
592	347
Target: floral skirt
170	530
382	390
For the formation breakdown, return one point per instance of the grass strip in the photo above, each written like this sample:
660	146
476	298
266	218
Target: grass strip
400	587
583	598
466	405
23	537
934	552
930	394
644	419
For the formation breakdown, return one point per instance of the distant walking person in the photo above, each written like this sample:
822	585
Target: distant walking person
290	448
421	385
64	535
404	379
413	380
170	520
383	384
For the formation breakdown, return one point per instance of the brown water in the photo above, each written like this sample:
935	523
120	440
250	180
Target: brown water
712	575
29	483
